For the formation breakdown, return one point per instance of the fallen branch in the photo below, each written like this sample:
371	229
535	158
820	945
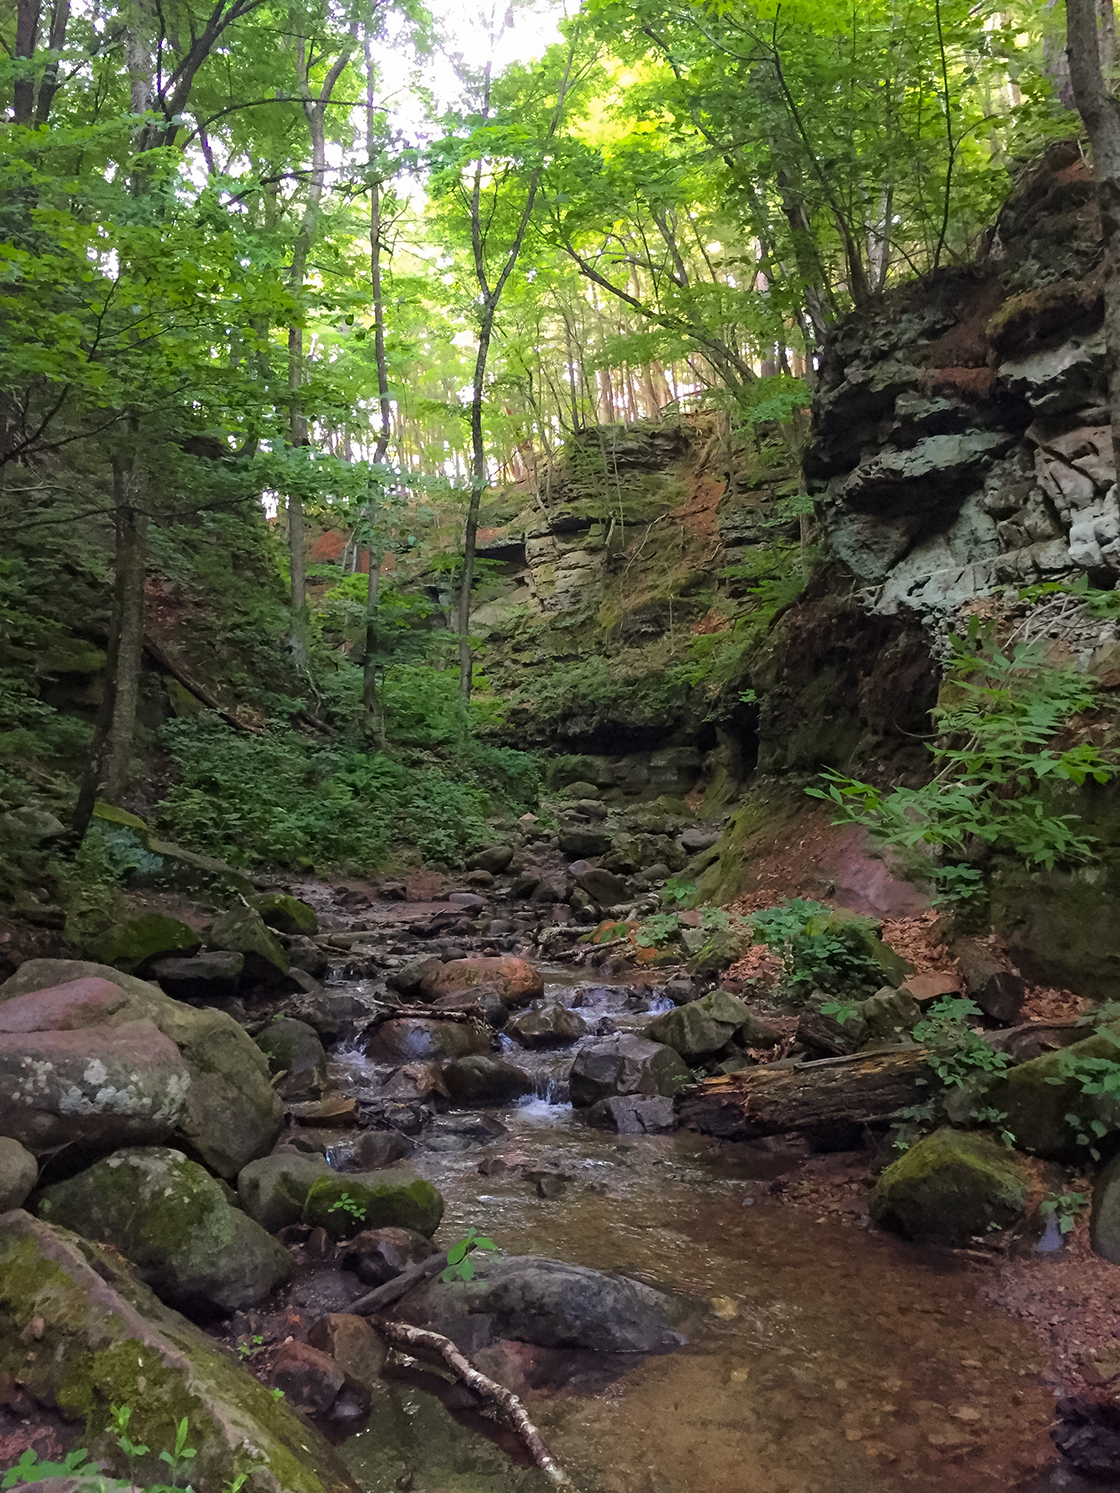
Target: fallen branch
168	664
400	1285
421	1013
512	1411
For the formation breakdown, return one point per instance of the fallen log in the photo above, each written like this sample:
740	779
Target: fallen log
785	1098
509	1407
420	1013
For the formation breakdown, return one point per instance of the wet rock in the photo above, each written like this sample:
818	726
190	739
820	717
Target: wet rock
603	887
87	1321
274	1189
579	842
951	1186
891	1015
294	1050
304	953
375	1149
462	1132
633	1114
285	914
625	1065
132	946
536	1300
205	978
481	998
485	1080
19	1172
242	930
546	1026
996	990
358	1350
172	1220
379	1255
412	1039
332	1113
314	1383
515	979
680	990
701	1027
495	859
345	1205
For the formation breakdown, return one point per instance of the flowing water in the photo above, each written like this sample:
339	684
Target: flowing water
822	1357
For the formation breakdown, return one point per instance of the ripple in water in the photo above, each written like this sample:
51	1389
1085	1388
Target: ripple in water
543	1110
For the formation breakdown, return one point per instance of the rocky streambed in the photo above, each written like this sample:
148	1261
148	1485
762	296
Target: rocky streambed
679	1312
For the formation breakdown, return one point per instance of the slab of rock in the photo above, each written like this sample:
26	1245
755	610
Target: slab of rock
951	1186
132	946
205	978
412	1039
380	1255
293	1049
516	980
285	913
546	1026
230	1113
347	1204
81	1333
19	1171
242	930
625	1065
998	991
700	1027
485	1080
172	1220
536	1300
633	1114
578	842
274	1188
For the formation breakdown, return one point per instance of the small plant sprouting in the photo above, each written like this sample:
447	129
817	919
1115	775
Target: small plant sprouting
181	1453
842	1010
460	1266
1066	1207
252	1348
347	1204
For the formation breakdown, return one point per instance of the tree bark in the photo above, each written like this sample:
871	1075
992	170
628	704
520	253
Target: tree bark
773	1100
27	33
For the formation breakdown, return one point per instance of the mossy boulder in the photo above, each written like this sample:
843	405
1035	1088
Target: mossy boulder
345	1205
285	913
242	930
715	951
1039	1096
274	1188
173	1221
293	1049
80	1333
951	1186
230	1113
701	1027
132	946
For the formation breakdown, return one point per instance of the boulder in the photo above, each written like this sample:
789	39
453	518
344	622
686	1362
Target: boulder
467	902
379	1255
536	1300
692	841
546	1026
412	1039
348	1204
172	1220
359	1351
375	1149
273	1189
316	1385
284	913
242	930
495	859
625	1065
891	1015
485	1080
579	842
701	1027
410	977
950	1186
204	979
1104	1220
1039	1096
168	867
304	953
997	990
715	951
633	1114
81	1334
603	887
133	946
481	998
19	1171
293	1049
516	981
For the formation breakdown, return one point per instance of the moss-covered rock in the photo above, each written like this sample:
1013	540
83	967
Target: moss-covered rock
133	945
293	1048
230	1113
285	913
701	1027
173	1221
169	867
82	1334
951	1186
274	1188
1046	1107
345	1205
242	930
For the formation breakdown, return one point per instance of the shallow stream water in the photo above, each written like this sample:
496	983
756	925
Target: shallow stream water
822	1357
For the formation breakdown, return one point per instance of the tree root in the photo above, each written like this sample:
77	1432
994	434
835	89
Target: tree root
512	1411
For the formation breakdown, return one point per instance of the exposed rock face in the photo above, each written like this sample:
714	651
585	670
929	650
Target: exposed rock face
82	1334
225	1111
172	1220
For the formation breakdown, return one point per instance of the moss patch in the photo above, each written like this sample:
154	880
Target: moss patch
951	1186
344	1205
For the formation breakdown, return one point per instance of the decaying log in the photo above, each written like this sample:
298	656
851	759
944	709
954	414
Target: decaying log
783	1098
512	1411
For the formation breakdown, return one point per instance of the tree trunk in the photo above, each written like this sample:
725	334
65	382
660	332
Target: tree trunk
60	18
1101	113
478	487
27	33
772	1100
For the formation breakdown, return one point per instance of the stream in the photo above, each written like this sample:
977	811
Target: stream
822	1356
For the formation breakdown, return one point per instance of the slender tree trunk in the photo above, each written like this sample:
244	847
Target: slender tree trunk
1101	113
27	34
478	487
56	40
